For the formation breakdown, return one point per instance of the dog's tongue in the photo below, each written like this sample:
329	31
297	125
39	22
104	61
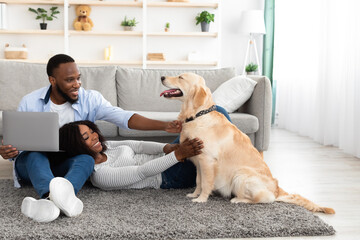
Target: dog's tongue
168	92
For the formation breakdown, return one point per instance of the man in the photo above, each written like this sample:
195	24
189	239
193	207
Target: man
61	180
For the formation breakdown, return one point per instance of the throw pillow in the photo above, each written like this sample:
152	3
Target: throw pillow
234	93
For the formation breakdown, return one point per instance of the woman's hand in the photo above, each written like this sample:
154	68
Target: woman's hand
188	148
168	148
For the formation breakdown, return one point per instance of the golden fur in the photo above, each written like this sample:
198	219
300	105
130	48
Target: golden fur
229	163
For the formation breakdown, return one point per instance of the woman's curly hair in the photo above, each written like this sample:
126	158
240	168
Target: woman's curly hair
73	143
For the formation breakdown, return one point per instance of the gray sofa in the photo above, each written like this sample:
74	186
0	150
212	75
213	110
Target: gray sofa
139	90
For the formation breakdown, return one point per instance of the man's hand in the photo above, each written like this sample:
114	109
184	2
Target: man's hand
7	151
173	127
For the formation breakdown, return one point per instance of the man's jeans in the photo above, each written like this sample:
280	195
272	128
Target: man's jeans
36	168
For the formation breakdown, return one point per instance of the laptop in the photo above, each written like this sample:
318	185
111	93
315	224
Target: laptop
31	131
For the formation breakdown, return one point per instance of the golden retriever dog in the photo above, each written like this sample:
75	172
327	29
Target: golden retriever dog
229	163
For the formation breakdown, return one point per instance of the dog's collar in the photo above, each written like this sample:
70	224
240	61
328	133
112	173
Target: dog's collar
202	112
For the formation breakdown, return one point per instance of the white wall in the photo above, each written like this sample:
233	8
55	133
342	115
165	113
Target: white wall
232	47
234	42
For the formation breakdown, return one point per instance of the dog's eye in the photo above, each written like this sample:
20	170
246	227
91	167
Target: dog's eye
180	77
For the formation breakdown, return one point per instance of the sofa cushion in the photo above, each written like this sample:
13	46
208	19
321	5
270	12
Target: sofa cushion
101	79
234	93
107	129
139	89
245	122
18	79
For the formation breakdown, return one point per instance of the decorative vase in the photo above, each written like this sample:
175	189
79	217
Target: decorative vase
128	28
167	29
205	26
43	26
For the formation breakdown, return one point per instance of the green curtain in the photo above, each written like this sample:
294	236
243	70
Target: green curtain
268	49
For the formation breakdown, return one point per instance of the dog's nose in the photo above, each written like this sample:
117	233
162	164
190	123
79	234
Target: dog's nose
162	78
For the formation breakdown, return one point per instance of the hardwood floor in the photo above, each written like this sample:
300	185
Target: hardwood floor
323	174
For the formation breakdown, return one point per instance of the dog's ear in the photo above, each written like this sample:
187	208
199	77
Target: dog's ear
199	97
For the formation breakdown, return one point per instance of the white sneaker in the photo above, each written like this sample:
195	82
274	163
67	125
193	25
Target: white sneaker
41	210
63	195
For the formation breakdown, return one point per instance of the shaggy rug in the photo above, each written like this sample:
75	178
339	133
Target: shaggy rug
156	214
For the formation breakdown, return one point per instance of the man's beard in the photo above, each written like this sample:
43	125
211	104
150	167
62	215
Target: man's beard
65	96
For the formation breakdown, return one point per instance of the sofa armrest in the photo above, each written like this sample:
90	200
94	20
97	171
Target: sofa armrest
260	105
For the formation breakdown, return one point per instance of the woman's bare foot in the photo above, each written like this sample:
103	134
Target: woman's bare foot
188	148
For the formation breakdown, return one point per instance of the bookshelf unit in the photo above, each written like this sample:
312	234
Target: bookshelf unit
143	37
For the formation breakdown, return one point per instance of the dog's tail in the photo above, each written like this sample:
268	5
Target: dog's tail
301	201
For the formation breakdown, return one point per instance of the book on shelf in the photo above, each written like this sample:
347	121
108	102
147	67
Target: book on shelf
155	57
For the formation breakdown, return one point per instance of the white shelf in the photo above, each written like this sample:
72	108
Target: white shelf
81	62
182	34
183	63
34	2
112	62
26	60
117	62
107	33
107	3
183	4
35	32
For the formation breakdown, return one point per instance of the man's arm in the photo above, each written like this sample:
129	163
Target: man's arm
139	122
126	119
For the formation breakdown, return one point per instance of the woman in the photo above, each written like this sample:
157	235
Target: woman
129	164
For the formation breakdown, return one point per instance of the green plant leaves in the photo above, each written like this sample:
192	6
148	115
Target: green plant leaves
251	67
204	16
43	14
130	22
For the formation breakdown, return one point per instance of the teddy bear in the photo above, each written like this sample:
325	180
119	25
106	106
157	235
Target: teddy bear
83	21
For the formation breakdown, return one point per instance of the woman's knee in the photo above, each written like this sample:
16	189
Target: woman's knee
223	111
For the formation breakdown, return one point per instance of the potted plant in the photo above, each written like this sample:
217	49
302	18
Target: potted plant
129	24
251	68
167	27
204	18
43	14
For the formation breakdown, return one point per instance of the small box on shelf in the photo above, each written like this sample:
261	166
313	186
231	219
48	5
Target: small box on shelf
15	52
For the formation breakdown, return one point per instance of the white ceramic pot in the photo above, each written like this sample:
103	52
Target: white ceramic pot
128	28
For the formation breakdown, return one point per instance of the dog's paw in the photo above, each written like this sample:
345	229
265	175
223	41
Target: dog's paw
200	200
238	200
192	195
235	200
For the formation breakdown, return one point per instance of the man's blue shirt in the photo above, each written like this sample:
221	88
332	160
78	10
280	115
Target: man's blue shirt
91	105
